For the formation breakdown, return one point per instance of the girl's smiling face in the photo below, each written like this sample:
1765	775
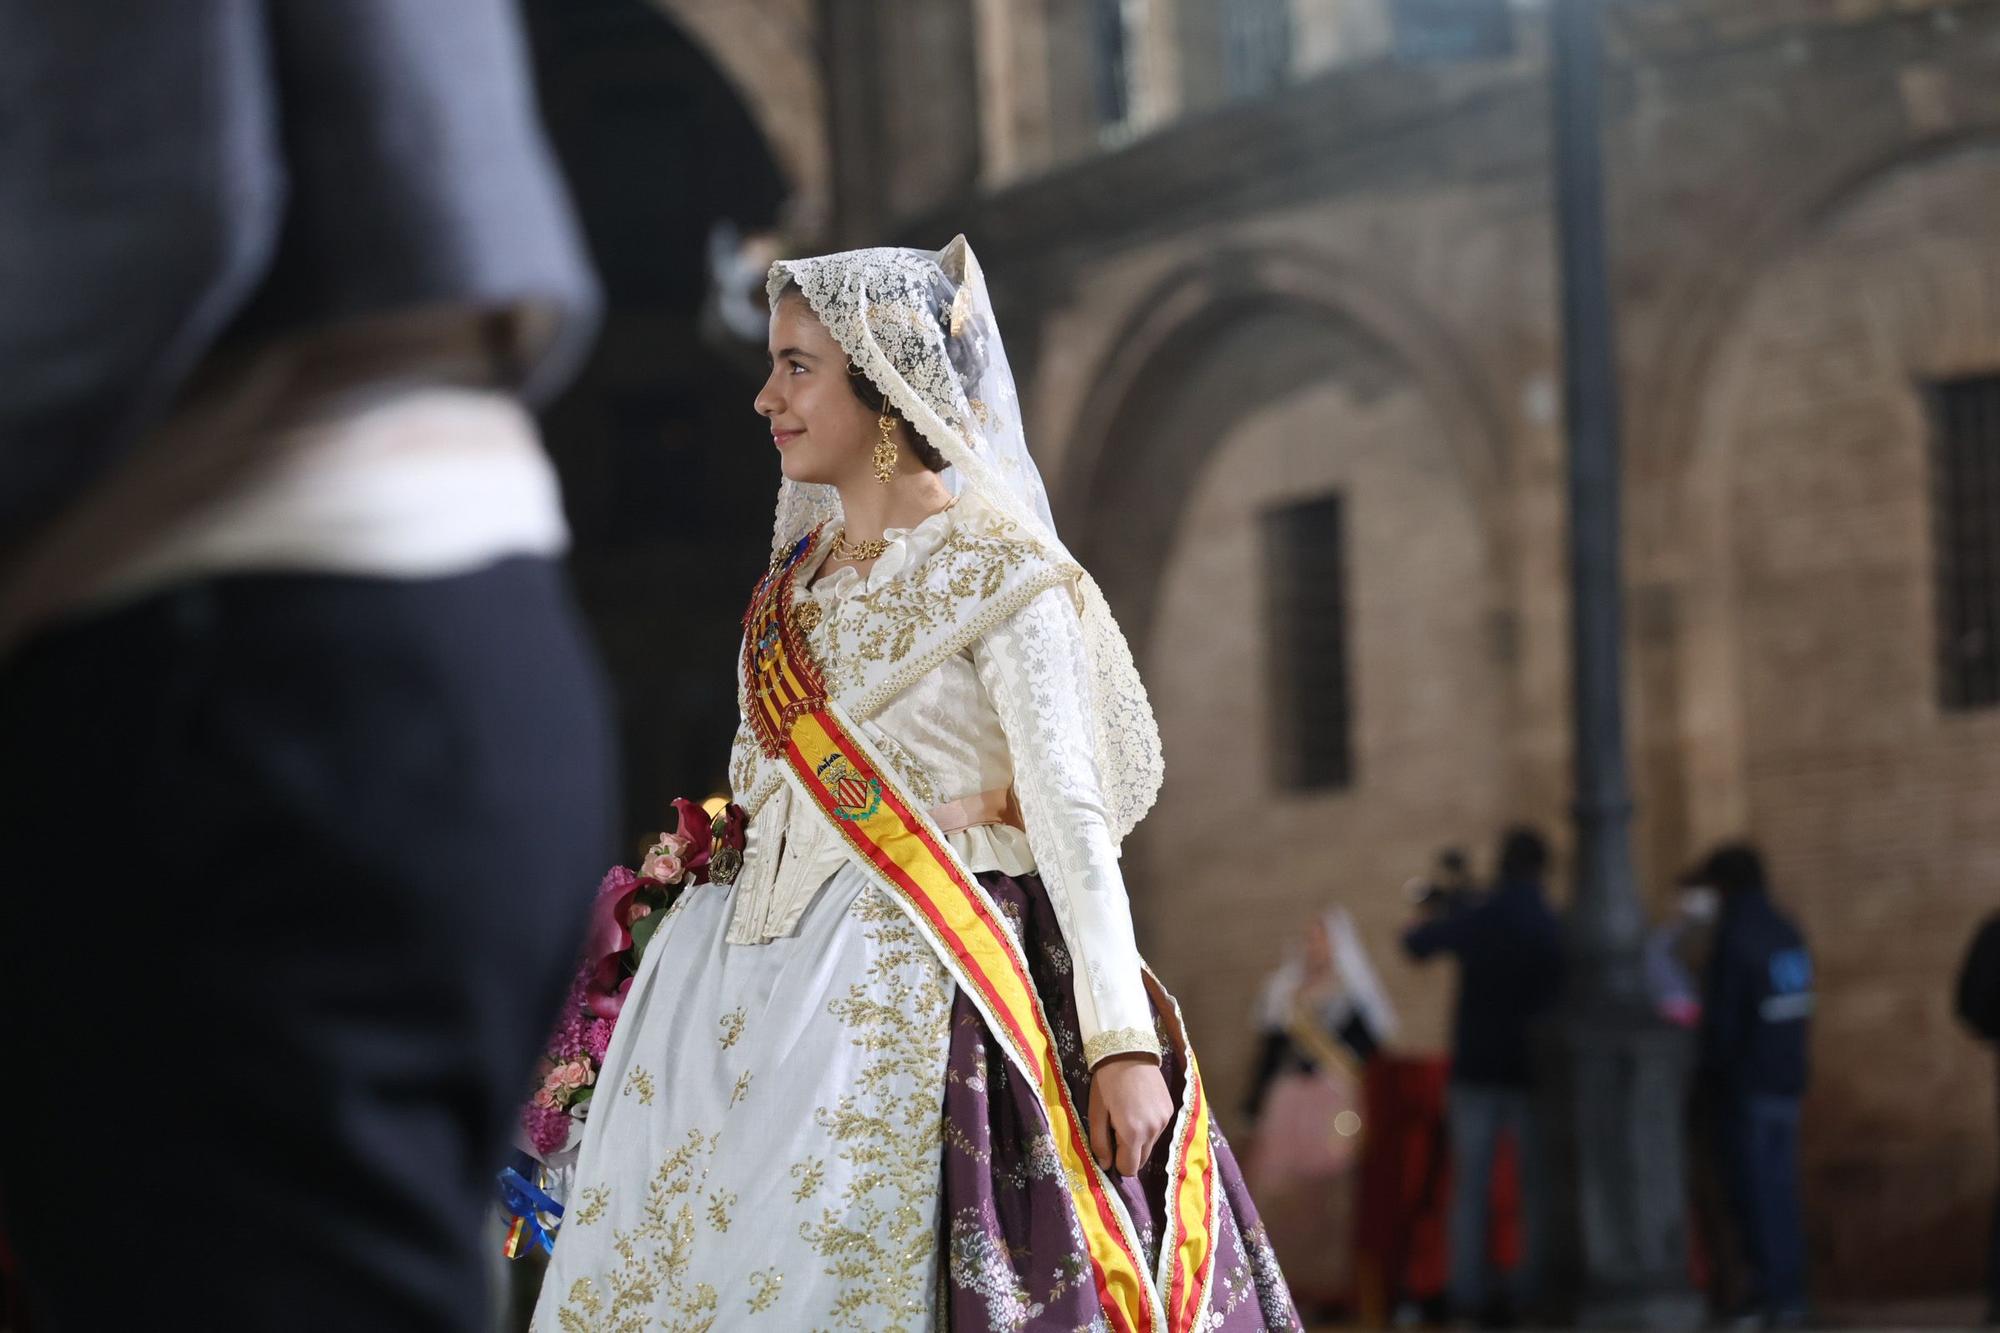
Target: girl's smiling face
822	431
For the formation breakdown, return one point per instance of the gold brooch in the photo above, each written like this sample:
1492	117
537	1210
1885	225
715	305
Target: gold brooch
805	617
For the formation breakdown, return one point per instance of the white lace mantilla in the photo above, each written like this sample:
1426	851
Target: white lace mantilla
944	366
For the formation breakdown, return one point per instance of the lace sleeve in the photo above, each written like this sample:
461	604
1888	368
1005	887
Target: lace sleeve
1035	672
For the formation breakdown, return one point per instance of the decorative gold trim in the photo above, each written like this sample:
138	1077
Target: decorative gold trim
1121	1041
992	614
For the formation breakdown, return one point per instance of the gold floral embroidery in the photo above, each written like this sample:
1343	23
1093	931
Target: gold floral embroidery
742	1088
965	566
594	1201
640	1085
766	1281
743	759
811	1175
978	576
732	1027
654	1257
719	1204
880	1239
583	1296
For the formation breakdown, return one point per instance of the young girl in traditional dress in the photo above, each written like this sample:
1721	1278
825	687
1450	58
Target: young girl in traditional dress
906	1069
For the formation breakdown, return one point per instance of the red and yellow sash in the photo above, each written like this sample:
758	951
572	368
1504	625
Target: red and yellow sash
848	783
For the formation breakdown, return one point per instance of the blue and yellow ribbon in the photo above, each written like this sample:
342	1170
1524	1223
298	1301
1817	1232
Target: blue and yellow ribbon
533	1217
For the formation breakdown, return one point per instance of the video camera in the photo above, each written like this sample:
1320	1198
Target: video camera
1447	891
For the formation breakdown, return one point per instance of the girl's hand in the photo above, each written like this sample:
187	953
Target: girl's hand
1129	1109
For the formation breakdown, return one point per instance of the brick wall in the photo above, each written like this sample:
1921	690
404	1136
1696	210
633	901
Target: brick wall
1803	212
1881	812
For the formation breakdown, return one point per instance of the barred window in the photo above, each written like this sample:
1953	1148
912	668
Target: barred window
1311	723
1965	508
1256	45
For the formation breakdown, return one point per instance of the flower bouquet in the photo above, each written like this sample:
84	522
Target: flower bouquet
628	910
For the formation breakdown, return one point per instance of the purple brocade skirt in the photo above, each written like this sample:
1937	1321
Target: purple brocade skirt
1013	1256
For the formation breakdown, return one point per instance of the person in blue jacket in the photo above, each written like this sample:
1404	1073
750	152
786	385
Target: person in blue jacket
1756	1009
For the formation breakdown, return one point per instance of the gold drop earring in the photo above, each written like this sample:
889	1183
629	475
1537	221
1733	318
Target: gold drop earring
885	446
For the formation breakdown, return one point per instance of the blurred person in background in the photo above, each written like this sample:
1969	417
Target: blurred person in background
1508	944
1756	1002
1676	949
1978	1004
306	760
1675	958
1321	1018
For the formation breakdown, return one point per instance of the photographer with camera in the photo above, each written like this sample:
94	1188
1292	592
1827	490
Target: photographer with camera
1509	951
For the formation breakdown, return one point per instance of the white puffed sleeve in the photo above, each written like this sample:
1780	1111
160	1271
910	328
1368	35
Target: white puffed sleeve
1037	677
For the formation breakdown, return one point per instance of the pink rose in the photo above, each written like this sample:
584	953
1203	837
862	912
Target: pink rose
544	1098
667	861
663	865
576	1074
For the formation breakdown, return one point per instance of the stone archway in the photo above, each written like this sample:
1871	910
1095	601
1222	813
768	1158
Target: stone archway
1241	386
1809	717
666	470
1167	331
769	51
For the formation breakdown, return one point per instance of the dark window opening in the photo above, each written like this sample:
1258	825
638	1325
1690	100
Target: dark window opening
1312	721
1965	508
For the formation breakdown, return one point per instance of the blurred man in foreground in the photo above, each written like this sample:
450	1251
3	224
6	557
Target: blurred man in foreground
1509	950
304	757
1979	1007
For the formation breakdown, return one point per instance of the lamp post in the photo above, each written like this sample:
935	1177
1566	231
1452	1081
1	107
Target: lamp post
1616	1098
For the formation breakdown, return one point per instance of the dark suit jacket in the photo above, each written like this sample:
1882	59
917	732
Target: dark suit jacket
1510	958
179	177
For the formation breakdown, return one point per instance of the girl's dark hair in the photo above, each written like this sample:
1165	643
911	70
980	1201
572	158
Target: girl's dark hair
967	352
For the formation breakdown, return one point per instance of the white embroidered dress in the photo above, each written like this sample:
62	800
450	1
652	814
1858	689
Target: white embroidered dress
764	1147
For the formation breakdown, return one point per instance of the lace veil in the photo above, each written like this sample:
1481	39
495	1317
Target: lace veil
920	326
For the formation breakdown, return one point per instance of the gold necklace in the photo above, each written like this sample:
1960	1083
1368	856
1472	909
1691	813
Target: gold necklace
863	550
843	549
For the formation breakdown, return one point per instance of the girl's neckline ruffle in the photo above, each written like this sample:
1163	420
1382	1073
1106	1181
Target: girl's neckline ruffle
908	548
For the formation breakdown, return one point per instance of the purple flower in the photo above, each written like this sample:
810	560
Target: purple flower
548	1128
